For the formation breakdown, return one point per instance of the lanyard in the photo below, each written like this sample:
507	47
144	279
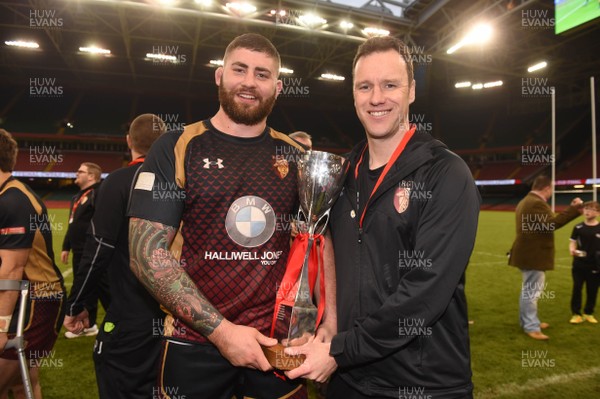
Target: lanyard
388	166
136	161
76	204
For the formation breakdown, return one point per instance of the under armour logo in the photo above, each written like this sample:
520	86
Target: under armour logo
208	163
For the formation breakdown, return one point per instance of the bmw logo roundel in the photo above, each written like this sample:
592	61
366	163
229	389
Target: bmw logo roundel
250	221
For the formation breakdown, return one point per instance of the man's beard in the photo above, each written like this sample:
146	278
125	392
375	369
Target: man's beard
242	114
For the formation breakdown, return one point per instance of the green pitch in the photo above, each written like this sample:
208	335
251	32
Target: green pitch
506	363
574	12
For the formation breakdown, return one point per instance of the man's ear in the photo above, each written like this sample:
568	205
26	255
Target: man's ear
218	75
279	88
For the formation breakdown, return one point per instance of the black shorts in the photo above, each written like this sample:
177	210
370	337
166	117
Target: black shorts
126	359
200	371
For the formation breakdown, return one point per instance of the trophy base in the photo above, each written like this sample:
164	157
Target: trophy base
280	360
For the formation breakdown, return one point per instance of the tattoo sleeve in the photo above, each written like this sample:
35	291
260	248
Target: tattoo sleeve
162	275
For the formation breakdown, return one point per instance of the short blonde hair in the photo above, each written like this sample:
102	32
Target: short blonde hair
94	170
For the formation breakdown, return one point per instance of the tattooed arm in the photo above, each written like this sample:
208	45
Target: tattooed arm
162	275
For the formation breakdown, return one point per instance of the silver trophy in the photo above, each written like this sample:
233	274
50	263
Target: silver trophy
320	180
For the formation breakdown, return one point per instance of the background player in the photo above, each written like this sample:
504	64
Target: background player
26	253
127	348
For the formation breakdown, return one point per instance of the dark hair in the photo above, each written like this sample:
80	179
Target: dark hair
144	130
254	42
8	151
381	44
541	182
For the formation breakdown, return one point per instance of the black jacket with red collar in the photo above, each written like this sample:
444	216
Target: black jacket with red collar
402	312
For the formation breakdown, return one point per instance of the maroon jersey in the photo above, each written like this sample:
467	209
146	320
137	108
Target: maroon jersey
232	199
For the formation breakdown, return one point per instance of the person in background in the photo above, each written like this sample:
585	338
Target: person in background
128	345
26	253
584	246
303	138
81	211
533	249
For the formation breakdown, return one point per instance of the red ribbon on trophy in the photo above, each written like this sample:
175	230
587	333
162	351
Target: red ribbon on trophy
286	294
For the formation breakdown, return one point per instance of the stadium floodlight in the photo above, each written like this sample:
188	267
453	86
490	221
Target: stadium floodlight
285	70
461	85
497	83
95	50
311	20
346	25
240	8
281	13
538	66
216	63
372	31
480	34
21	43
477	86
331	76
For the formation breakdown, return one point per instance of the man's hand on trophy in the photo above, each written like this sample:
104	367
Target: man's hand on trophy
241	345
298	341
317	366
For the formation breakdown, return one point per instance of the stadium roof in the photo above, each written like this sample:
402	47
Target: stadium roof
192	34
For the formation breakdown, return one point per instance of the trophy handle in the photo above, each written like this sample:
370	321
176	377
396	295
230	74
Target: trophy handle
324	226
300	212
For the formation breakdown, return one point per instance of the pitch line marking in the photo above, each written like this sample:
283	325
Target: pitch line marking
512	389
